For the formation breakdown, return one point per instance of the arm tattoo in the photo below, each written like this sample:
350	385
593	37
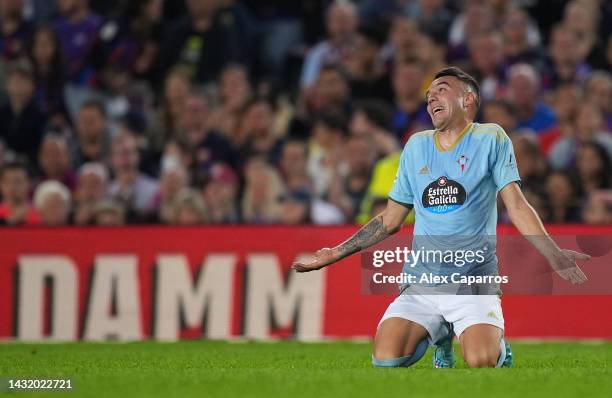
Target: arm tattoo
370	234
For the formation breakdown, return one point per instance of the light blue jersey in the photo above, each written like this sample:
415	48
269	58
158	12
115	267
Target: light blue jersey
454	192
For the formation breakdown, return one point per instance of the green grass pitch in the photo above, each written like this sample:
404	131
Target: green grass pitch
291	369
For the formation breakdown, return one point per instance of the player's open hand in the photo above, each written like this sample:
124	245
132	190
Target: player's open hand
564	264
323	258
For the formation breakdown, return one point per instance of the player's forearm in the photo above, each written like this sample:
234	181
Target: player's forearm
376	230
527	221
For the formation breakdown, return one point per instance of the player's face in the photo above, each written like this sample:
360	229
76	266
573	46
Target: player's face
444	101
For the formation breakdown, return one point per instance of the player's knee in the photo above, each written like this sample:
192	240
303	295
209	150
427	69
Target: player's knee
384	353
480	359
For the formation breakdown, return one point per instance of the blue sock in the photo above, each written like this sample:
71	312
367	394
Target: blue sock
403	362
502	355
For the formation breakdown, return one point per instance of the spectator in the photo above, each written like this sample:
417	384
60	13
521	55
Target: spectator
22	121
433	17
122	94
347	193
221	195
145	31
521	39
374	119
134	190
565	102
136	125
598	210
166	124
256	132
78	31
562	198
488	59
476	18
15	31
52	201
263	189
598	91
531	164
15	207
532	113
593	166
410	107
331	92
202	43
46	56
188	209
109	213
581	18
501	112
341	22
174	179
403	40
234	93
432	55
210	146
91	141
566	63
293	166
54	161
365	66
295	208
179	152
587	129
92	188
325	161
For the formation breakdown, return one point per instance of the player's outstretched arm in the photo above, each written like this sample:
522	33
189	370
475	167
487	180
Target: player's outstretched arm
379	228
526	220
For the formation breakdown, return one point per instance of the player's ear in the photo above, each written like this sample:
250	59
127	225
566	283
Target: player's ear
469	99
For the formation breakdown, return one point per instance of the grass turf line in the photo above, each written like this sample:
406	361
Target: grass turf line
292	369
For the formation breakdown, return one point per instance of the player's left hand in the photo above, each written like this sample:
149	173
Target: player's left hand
564	264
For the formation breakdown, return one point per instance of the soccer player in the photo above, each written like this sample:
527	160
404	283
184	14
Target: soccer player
474	162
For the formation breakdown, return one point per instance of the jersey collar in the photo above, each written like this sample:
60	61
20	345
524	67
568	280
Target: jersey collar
463	132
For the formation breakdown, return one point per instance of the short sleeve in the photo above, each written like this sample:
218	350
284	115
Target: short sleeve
402	191
505	169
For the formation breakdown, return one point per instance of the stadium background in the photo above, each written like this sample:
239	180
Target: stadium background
257	132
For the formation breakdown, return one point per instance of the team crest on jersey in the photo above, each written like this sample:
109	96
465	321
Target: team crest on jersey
462	162
443	196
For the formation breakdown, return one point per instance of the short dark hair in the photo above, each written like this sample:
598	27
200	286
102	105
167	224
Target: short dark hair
502	103
377	111
94	104
13	166
333	119
464	78
335	68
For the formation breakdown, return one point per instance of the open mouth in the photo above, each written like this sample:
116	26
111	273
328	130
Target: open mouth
437	110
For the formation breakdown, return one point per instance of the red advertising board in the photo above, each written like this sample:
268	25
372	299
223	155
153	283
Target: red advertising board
168	283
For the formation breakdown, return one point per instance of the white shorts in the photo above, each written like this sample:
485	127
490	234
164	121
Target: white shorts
431	311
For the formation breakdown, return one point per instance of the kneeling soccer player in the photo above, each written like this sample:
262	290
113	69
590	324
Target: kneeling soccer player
451	177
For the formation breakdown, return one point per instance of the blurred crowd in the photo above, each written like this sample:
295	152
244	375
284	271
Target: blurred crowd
280	112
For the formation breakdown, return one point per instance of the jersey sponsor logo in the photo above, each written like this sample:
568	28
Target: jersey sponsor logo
443	196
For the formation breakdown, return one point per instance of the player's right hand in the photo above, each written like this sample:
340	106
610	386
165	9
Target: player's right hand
323	258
